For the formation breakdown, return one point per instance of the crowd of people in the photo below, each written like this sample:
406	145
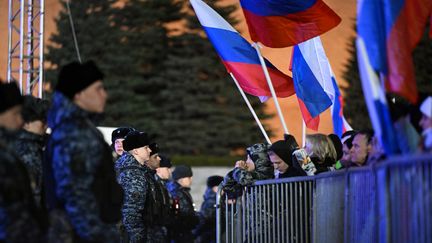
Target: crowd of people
71	186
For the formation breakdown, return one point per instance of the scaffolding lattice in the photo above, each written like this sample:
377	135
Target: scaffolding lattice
25	45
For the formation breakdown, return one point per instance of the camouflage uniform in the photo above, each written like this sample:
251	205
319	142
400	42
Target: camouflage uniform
29	147
142	208
237	178
79	177
186	219
20	220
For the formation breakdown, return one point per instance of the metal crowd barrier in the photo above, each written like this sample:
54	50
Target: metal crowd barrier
389	202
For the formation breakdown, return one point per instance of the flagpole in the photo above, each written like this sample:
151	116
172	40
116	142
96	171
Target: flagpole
303	134
270	84
251	109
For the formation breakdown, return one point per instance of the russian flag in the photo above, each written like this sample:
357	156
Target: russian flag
239	57
376	101
340	125
391	29
282	23
309	74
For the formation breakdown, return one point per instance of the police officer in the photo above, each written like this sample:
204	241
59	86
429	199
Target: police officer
20	220
136	174
83	196
186	219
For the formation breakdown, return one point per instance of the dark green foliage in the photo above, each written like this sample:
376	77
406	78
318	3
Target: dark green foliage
355	107
170	84
205	160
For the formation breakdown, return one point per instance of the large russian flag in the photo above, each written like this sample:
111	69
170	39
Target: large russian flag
239	57
309	73
282	23
376	102
391	29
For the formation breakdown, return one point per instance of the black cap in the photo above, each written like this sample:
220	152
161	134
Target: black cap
165	161
10	96
214	180
135	140
120	132
182	171
75	77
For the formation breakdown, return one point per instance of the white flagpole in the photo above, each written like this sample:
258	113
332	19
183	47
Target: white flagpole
251	109
303	133
270	84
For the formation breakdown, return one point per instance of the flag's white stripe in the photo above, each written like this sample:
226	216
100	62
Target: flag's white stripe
208	17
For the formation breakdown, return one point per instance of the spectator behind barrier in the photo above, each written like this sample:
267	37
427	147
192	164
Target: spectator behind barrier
362	146
347	138
321	151
280	154
256	167
426	124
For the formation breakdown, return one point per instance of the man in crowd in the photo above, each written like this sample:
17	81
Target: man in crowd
31	140
206	230
186	217
361	148
143	206
117	137
82	192
20	220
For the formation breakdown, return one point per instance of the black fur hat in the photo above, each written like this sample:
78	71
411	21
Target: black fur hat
120	132
181	171
75	77
214	180
34	109
10	96
165	161
135	140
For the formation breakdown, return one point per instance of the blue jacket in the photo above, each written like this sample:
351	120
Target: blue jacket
80	176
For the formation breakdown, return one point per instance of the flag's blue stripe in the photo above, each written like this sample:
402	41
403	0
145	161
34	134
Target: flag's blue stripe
336	117
387	131
371	27
276	7
231	47
393	10
307	86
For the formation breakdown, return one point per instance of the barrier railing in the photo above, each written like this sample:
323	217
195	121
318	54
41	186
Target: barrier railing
390	202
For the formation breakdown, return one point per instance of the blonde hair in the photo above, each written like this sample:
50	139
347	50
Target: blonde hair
322	147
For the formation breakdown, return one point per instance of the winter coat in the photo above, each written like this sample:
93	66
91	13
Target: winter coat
20	219
237	178
142	208
206	231
186	219
168	212
29	146
79	176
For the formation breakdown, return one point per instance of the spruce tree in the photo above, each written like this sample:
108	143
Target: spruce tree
200	109
355	108
97	38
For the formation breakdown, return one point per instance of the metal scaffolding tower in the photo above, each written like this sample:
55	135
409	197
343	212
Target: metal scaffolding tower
25	45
